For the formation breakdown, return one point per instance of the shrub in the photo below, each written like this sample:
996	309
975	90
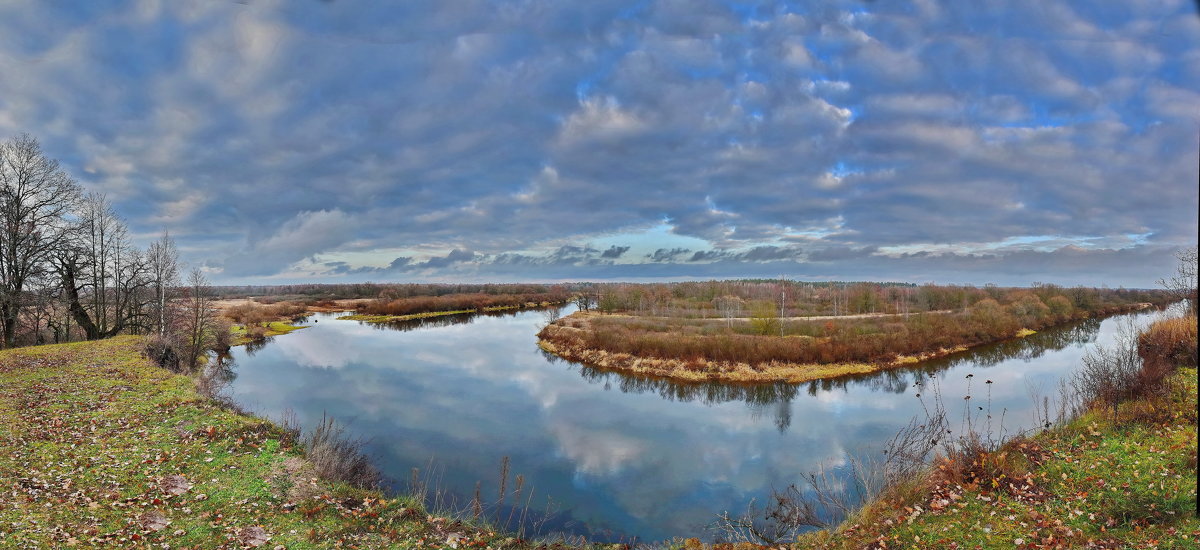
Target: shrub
1170	342
765	318
335	456
256	332
1109	374
222	337
163	351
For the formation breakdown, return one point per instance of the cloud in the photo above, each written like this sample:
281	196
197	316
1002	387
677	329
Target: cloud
614	252
666	255
302	236
317	132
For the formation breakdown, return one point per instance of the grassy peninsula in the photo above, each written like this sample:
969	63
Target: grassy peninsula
731	331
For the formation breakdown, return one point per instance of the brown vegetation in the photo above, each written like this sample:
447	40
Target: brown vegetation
250	313
387	304
767	347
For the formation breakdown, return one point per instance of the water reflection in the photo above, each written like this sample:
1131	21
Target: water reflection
621	456
551	312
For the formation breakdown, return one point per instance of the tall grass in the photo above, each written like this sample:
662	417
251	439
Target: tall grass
511	511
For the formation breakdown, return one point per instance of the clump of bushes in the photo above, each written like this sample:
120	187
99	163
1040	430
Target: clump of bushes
1170	342
163	351
1136	365
257	314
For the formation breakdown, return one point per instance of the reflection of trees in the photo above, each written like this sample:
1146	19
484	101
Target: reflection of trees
776	397
709	393
1030	347
216	376
456	319
253	346
1026	349
428	322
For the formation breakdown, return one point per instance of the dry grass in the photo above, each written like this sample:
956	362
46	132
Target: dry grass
697	349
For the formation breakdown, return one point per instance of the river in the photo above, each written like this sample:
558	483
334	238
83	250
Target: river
609	456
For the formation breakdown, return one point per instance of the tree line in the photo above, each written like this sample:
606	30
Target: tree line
69	270
743	298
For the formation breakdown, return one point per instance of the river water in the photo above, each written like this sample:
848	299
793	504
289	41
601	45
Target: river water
605	455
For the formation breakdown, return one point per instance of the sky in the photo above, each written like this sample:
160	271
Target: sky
991	141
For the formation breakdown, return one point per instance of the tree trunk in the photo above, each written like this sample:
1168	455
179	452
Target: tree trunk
8	317
90	331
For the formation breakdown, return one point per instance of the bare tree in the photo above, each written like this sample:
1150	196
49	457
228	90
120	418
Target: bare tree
164	274
107	283
36	202
42	307
198	319
1183	283
729	306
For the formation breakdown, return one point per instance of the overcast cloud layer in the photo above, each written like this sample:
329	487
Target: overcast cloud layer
989	141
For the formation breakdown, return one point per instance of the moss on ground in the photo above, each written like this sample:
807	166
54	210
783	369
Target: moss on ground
100	448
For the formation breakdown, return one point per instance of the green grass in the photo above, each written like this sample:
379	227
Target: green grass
90	434
1123	482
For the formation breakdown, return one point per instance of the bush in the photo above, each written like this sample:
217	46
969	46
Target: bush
223	337
339	458
1109	374
1170	342
256	332
765	319
163	351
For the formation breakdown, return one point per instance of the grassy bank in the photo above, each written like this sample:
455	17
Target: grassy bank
98	447
1104	479
795	350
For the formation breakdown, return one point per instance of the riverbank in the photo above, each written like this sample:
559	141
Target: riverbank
99	447
695	350
1101	480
